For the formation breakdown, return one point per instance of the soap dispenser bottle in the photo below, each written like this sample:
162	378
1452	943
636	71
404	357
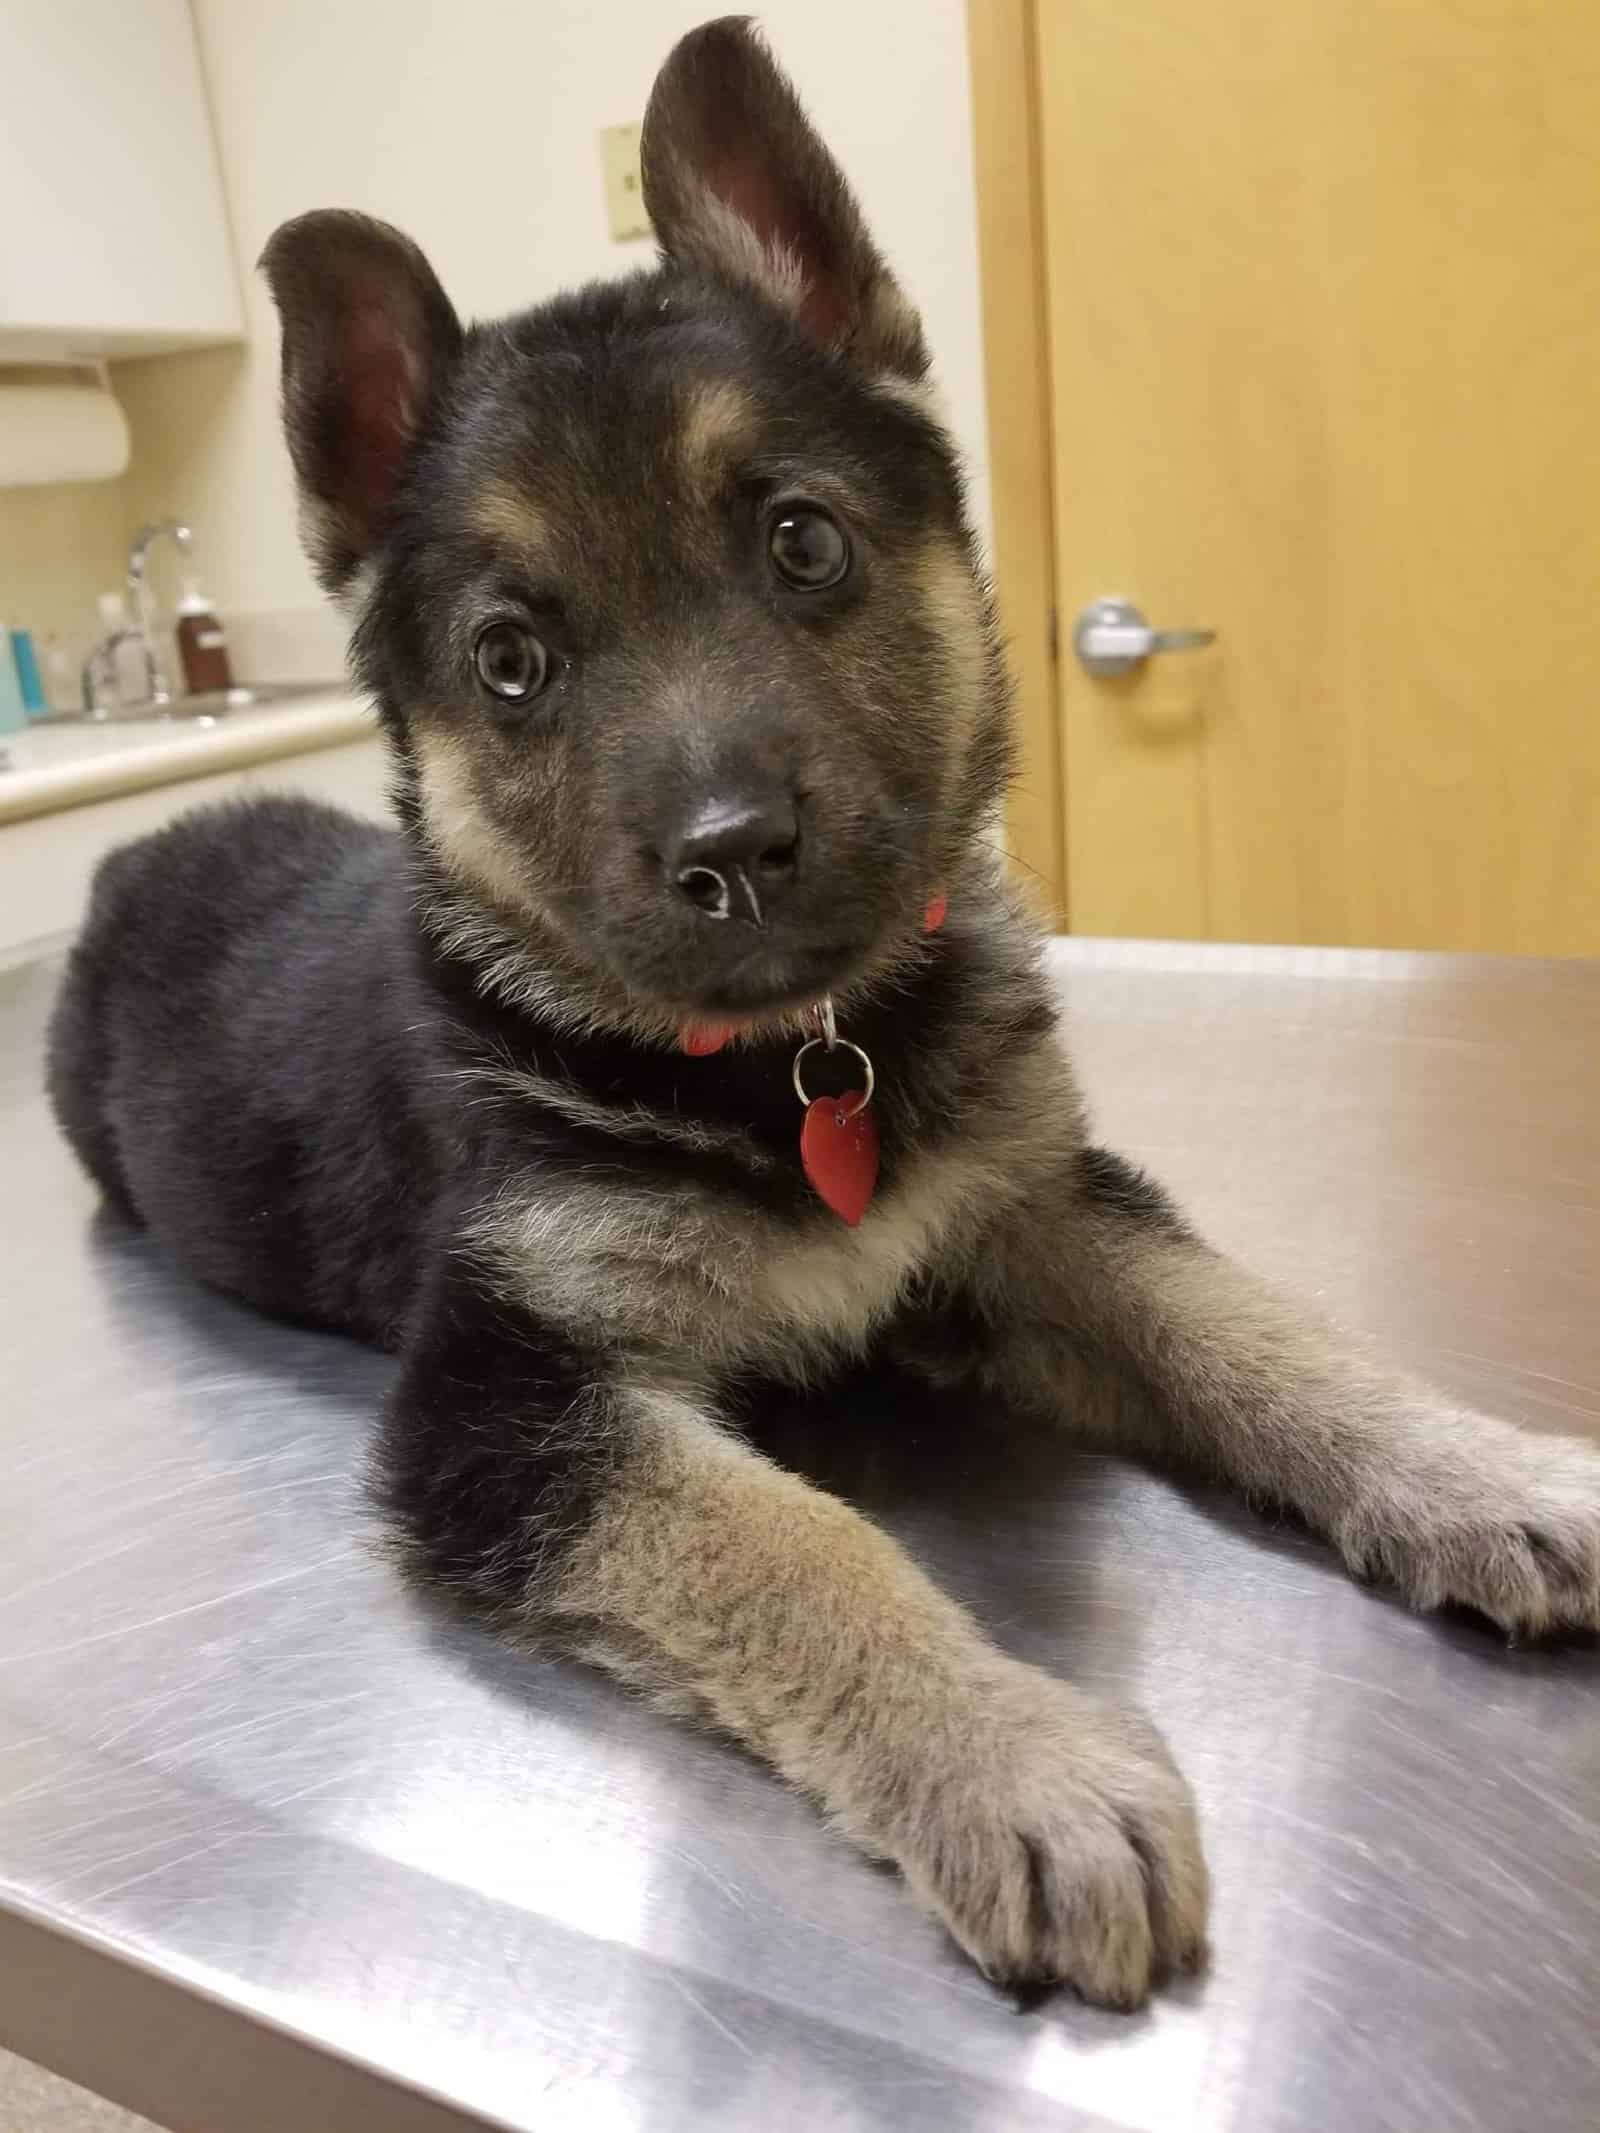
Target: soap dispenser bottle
202	646
12	715
117	677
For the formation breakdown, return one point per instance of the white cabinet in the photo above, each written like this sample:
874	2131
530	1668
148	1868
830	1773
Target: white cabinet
47	862
113	233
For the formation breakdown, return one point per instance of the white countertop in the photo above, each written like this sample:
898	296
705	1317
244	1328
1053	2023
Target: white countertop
65	765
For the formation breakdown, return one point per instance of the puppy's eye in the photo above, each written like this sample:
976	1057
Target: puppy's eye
808	549
512	664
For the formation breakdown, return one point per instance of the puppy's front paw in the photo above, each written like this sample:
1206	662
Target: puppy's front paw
1055	1838
1486	1516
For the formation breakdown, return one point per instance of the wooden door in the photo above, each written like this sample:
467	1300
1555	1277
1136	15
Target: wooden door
1321	297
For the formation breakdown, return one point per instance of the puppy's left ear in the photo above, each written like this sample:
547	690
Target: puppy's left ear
736	181
369	340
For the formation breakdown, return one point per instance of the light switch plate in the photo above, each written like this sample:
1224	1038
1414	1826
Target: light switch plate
619	155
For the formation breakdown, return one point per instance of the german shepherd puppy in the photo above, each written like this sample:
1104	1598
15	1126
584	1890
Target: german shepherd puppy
699	726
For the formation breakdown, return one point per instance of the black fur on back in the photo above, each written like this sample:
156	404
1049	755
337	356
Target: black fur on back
242	1059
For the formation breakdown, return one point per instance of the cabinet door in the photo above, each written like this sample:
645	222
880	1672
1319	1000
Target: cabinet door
113	235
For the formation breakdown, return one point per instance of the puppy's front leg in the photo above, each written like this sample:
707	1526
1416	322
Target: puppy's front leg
1111	1312
577	1504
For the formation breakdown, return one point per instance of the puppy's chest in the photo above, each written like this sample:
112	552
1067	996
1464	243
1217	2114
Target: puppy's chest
707	1272
826	1285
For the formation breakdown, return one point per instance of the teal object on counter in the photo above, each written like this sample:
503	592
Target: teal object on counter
26	661
12	715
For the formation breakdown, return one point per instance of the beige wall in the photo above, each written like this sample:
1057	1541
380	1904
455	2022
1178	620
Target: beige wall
58	548
473	125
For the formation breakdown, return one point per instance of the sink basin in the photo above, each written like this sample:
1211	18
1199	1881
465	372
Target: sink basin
216	703
67	761
208	704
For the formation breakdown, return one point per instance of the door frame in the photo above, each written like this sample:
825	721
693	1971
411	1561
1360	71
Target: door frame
1016	361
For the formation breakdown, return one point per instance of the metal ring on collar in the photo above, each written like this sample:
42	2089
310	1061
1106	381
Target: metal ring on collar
841	1044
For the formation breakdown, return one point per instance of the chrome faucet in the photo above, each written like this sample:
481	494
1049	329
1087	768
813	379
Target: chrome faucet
101	696
139	596
100	691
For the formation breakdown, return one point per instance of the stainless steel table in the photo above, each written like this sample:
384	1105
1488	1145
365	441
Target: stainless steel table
279	1850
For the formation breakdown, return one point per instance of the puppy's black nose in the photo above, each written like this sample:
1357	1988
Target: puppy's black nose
737	858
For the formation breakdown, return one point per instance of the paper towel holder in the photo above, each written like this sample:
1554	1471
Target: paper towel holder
59	423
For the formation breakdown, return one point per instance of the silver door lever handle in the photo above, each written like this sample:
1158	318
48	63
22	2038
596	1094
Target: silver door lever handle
1113	637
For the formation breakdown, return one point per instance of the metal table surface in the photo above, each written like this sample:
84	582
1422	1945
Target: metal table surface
279	1849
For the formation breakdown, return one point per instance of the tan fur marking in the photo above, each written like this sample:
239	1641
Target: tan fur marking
725	1587
834	1287
921	395
677	1270
717	419
503	514
737	1289
456	828
953	606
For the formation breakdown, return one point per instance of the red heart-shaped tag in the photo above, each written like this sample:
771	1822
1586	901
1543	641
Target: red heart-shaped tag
839	1153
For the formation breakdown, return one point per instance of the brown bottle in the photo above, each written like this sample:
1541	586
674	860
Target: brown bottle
202	647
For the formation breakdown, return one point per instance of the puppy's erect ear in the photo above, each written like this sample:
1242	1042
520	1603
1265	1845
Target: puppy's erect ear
369	339
736	181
